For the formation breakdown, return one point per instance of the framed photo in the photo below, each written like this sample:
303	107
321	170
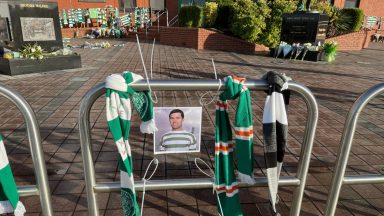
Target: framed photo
179	129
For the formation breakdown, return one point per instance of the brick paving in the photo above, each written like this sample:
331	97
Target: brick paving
55	97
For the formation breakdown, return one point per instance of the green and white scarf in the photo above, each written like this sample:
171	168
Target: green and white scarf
9	197
118	107
225	179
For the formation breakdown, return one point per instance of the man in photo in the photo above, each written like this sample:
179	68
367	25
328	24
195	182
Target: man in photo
177	139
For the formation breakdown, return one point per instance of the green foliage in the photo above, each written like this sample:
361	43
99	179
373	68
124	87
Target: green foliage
191	16
248	20
344	21
271	35
210	13
322	7
330	50
356	15
224	2
224	15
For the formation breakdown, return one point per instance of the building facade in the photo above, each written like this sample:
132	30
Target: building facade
68	4
370	7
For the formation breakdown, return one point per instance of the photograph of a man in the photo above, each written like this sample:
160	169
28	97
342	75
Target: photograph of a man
179	129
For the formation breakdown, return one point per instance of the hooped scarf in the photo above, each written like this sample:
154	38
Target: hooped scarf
225	179
118	106
275	130
9	197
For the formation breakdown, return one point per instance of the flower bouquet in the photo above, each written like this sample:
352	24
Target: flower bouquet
330	49
32	52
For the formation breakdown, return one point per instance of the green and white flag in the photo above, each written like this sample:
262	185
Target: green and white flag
126	20
9	197
118	107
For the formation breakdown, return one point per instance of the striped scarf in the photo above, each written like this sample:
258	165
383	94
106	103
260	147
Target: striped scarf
9	197
225	179
275	130
118	107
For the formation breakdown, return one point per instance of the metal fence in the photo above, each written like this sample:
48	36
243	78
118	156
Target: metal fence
41	188
94	187
339	177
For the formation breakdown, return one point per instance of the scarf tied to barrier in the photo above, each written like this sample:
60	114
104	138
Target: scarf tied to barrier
118	109
9	196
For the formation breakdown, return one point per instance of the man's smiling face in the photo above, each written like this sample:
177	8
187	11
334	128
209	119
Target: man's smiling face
176	121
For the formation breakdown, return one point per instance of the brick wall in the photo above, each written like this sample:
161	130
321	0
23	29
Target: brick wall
179	36
215	41
66	4
199	38
370	7
142	3
70	32
353	41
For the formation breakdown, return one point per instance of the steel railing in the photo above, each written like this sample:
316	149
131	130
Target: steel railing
339	177
94	187
41	188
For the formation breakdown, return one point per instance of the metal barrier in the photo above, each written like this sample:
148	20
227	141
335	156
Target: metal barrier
339	177
193	85
42	187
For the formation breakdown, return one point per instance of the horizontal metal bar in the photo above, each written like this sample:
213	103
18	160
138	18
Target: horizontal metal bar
194	183
363	179
193	85
28	190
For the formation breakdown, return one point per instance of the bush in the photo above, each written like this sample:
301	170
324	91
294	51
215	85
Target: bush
322	7
224	2
271	35
191	16
248	20
344	21
224	15
357	17
210	13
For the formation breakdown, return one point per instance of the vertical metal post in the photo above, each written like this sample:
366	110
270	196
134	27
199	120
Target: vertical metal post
35	145
158	24
86	147
346	144
306	149
167	18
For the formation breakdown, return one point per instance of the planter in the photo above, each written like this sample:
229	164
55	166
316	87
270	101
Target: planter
13	67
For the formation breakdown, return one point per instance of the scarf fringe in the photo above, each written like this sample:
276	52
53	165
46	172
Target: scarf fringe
246	178
148	127
6	207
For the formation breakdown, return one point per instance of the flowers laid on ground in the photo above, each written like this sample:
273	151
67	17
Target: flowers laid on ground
32	52
330	49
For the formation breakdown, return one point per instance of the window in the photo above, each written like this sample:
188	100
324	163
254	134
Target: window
351	3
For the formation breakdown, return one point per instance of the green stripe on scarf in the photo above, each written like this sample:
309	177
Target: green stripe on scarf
118	107
225	179
9	197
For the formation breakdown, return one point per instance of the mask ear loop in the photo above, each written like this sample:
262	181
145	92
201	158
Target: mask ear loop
145	69
156	161
217	92
212	176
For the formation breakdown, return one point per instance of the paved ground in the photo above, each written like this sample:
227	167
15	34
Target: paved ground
55	97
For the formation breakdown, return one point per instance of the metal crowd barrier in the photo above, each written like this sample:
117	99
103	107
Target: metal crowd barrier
41	188
94	187
339	177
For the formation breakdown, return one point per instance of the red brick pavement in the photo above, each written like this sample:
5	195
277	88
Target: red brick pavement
55	97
